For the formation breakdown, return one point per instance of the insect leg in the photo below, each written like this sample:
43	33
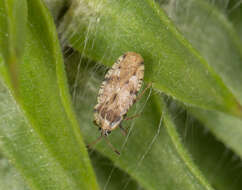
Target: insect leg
132	117
111	146
94	142
139	96
124	132
142	93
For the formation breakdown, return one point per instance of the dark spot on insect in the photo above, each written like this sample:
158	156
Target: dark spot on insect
106	133
103	112
116	119
99	128
97	109
109	115
133	92
142	63
114	97
107	79
119	67
94	122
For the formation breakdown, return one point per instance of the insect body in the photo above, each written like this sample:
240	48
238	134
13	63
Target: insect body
118	92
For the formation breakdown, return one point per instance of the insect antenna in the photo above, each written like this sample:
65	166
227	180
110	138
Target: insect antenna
110	145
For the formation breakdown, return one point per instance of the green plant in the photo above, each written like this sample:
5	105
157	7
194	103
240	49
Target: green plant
190	129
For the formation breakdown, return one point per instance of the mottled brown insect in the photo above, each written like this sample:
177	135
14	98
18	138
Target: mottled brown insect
118	92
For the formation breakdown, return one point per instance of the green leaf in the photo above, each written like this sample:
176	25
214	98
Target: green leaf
214	38
227	129
57	8
13	26
13	19
38	130
111	177
9	177
104	30
152	153
235	15
216	161
217	41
